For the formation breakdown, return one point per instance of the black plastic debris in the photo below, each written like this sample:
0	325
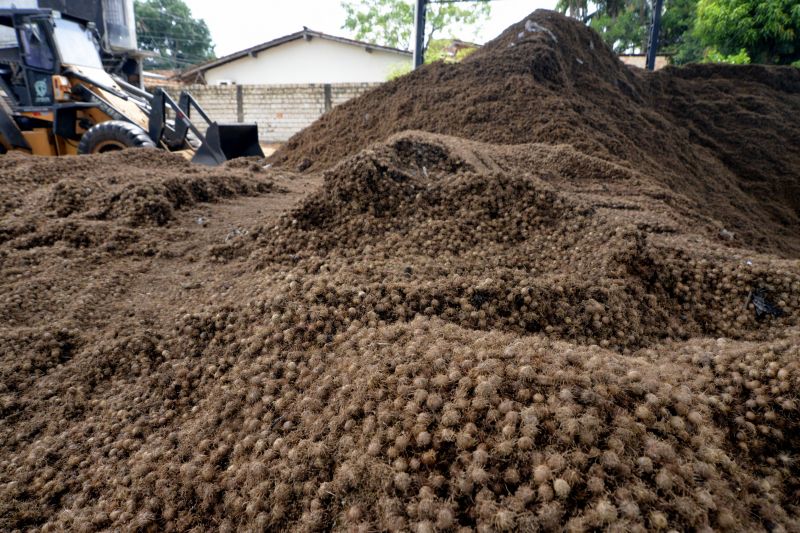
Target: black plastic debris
762	305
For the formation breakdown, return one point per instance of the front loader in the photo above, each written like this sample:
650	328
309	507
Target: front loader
58	100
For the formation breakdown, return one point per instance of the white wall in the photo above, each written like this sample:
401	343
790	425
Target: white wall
19	4
314	61
279	110
641	61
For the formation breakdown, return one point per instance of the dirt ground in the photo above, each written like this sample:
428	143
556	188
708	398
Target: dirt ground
492	323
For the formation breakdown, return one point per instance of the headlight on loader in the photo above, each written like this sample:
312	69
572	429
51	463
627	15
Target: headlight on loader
61	88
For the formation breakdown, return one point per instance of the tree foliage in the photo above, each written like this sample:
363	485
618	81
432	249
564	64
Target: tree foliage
712	55
625	33
438	50
768	31
577	9
625	24
729	31
391	22
167	28
677	37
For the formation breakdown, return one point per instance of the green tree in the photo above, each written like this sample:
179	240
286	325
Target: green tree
712	55
391	22
625	26
621	23
625	33
438	50
718	31
767	30
167	28
577	9
677	36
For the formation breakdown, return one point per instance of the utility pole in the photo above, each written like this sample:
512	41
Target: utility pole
655	28
419	33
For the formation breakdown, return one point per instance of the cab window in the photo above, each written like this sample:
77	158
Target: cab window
36	50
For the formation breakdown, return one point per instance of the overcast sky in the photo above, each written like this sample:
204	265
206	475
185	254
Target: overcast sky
238	24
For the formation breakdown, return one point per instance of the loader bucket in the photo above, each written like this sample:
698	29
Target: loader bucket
228	141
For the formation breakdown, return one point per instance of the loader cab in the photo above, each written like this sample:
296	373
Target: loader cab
12	73
39	60
28	58
34	46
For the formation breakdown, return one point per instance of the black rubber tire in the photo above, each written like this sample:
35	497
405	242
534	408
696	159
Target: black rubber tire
112	136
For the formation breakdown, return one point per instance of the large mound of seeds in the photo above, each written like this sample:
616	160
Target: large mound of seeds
446	335
719	135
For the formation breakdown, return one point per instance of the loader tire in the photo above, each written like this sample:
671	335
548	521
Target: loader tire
112	136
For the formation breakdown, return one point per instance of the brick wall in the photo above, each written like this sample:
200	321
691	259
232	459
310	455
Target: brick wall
279	110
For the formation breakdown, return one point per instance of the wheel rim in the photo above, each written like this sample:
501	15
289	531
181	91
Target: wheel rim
109	146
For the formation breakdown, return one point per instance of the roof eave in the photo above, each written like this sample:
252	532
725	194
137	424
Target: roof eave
304	34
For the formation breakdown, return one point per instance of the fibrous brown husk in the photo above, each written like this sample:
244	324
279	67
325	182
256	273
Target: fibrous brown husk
449	332
58	213
138	187
527	238
720	135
